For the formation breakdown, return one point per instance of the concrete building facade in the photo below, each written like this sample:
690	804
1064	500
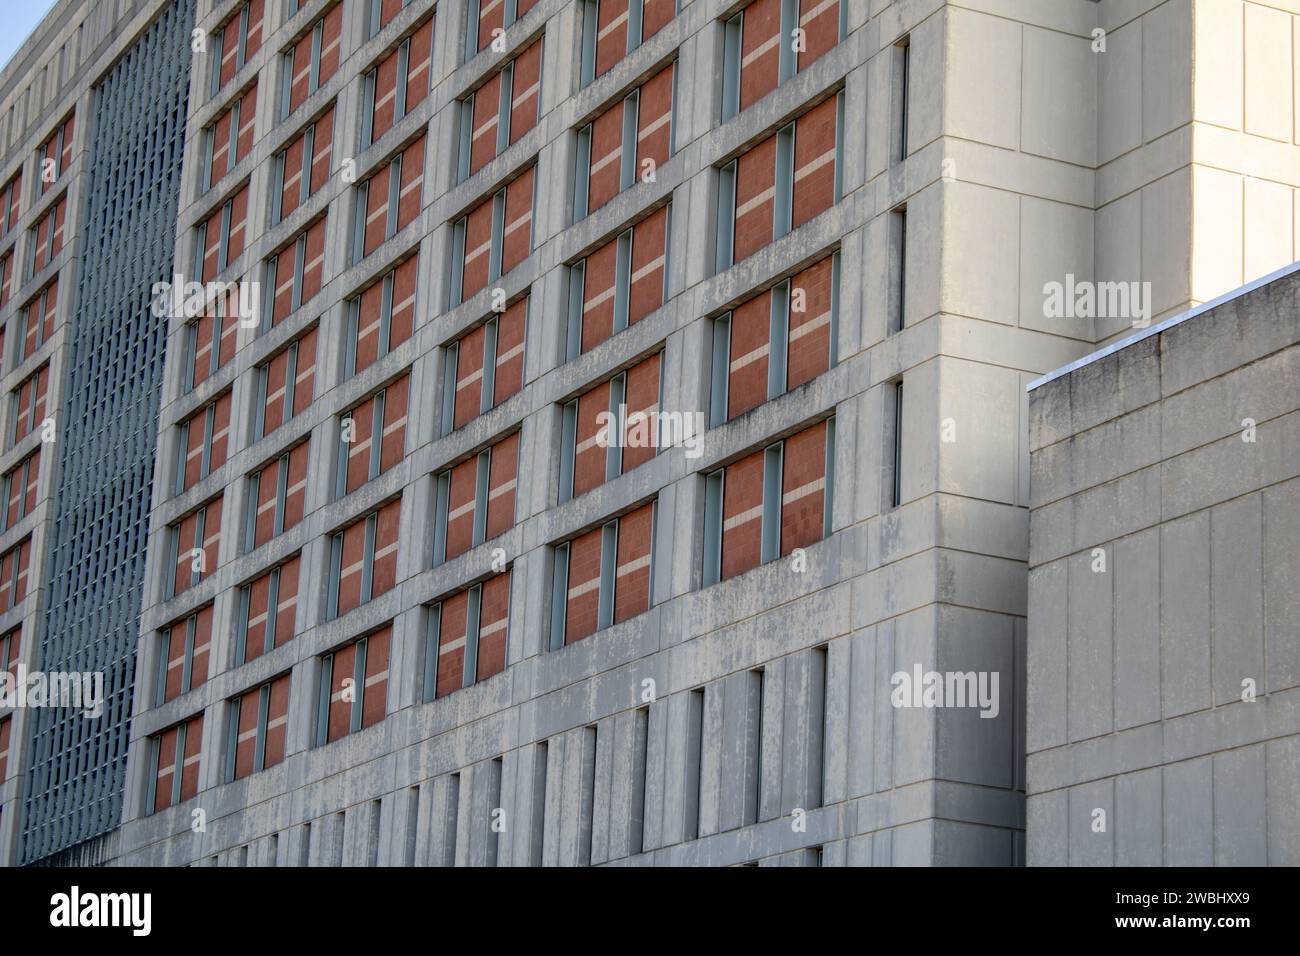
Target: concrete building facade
406	602
1163	579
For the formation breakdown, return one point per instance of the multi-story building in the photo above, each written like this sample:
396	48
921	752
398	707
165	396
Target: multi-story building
532	481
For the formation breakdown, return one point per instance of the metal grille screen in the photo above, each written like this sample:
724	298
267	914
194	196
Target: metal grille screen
107	430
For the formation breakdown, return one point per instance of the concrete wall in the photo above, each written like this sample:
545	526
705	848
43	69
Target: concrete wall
1164	665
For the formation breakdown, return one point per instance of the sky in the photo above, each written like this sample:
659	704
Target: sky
18	18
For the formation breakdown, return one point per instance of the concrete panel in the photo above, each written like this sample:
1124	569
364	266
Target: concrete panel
1237	625
1185	615
1189	813
1139	819
1240	832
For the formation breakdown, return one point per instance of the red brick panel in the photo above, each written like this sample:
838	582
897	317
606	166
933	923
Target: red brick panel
641	397
483	133
451	644
313	269
49	235
300	71
469	376
820	20
649	247
654	121
583	600
230	31
11	203
376	228
222	146
6	278
519	221
259	597
13	653
742	515
196	426
598	295
13	574
755	185
322	148
173	683
760	50
606	157
352	566
522	7
358	455
493	624
304	383
370	317
814	162
590	446
277	722
247	120
478	248
387	10
402	321
294	162
162	791
250	705
632	566
62	155
409	195
460	507
185	532
238	220
23	479
491	16
286	609
502	484
220	433
392	444
810	324
655	14
343	691
511	328
611	34
385	108
41	313
751	329
330	40
384	575
211	537
190	758
31	403
295	495
417	65
264	521
803	488
374	699
526	97
202	646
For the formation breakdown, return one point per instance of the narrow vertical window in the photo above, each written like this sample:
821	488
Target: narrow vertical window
726	216
582	173
898	269
713	491
694	756
896	493
720	360
902	80
731	66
